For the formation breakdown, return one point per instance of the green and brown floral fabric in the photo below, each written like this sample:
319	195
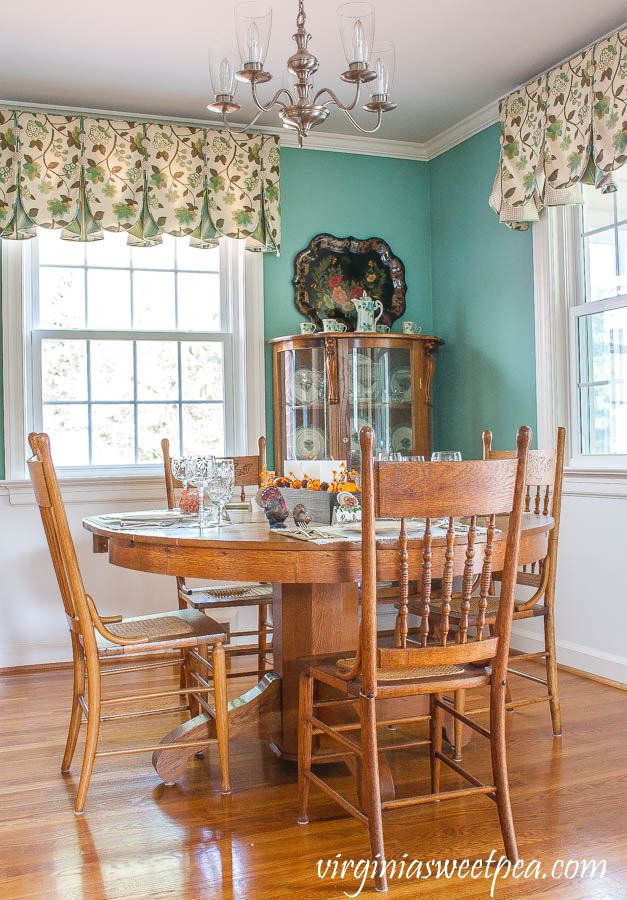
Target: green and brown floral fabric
563	128
87	175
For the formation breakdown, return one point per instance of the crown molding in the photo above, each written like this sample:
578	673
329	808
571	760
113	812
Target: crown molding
332	143
461	131
355	143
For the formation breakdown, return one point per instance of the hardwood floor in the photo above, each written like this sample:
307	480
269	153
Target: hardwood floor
141	839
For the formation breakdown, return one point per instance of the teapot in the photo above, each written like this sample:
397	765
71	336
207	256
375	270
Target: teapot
366	308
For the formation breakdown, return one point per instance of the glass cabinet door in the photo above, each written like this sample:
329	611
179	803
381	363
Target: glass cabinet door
302	403
379	383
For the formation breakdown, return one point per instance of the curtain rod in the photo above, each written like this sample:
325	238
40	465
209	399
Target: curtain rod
561	62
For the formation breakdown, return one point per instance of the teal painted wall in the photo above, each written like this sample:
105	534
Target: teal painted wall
482	281
347	194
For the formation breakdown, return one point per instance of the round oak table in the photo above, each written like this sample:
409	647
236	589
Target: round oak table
315	606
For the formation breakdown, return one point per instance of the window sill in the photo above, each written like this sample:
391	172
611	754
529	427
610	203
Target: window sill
610	484
129	488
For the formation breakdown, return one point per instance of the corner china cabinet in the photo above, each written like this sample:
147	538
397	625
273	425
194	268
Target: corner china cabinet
327	386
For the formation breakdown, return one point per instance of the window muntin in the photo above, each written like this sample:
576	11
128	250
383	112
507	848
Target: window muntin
128	345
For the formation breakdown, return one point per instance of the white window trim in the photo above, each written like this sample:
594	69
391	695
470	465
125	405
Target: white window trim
247	377
557	281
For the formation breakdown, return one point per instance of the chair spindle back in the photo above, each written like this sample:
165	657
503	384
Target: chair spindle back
543	491
440	493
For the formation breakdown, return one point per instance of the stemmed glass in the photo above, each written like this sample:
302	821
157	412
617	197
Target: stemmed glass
199	472
179	470
220	486
446	456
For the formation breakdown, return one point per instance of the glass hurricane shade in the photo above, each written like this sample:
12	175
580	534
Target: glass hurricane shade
356	31
382	61
253	24
222	68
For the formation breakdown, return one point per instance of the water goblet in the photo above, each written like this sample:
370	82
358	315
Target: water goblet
220	486
199	471
179	470
446	456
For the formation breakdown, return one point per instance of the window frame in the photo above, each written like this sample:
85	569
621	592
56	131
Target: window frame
559	288
241	298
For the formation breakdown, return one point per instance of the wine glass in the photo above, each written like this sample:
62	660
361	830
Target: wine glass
220	485
179	470
446	456
199	471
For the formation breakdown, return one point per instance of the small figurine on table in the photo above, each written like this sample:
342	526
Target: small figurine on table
274	506
301	516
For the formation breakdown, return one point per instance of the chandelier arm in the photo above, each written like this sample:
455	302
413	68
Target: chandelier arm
244	128
274	102
358	126
335	99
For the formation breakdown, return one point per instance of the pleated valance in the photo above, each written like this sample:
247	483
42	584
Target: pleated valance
565	127
86	175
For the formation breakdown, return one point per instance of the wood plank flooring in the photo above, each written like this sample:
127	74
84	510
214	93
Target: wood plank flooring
141	839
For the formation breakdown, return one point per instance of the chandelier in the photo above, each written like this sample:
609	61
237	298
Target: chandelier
298	106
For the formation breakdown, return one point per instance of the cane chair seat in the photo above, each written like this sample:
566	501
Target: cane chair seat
224	597
331	669
406	674
186	627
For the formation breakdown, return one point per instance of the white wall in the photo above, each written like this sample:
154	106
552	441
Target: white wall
34	627
591	591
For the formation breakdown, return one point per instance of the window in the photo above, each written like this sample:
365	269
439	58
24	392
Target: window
123	346
598	326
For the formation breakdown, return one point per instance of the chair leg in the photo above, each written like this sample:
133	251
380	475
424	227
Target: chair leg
508	697
222	713
551	673
262	621
189	682
458	727
435	735
499	769
91	741
305	708
77	711
371	793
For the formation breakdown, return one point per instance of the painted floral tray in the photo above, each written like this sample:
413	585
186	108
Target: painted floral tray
331	271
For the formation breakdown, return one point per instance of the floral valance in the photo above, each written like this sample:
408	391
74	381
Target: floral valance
86	175
563	128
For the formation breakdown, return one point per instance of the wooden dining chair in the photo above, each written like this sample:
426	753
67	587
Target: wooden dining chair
543	496
96	638
428	665
212	599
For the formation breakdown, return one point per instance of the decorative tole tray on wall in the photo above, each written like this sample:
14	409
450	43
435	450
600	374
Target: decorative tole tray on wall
331	271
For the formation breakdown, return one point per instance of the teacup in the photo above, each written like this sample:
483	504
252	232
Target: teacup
411	328
307	328
333	325
383	329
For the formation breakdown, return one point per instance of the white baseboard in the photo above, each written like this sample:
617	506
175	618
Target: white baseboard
577	656
35	654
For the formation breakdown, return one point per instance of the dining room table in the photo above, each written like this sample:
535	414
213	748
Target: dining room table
315	607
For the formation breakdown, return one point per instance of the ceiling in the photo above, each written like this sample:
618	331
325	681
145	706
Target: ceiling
453	57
